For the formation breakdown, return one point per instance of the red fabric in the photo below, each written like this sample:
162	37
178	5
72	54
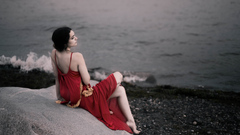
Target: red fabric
97	104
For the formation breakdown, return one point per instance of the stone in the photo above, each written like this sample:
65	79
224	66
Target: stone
27	111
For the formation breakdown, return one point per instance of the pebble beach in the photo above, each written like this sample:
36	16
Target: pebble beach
183	113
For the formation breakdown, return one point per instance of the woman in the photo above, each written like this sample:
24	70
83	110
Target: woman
73	85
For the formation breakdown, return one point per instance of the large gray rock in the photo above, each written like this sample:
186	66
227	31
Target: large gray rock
26	111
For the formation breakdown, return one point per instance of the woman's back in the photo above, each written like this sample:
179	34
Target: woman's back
64	61
77	63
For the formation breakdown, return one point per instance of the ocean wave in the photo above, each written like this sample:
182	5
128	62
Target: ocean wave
50	29
171	75
147	43
32	62
43	63
171	55
100	75
129	77
230	54
194	34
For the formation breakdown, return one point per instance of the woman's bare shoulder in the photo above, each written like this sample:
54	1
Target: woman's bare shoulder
77	54
77	57
53	53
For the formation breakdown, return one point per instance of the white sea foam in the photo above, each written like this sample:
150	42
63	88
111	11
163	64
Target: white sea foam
100	75
133	78
32	62
4	60
128	77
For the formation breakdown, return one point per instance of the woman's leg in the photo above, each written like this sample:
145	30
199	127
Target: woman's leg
120	93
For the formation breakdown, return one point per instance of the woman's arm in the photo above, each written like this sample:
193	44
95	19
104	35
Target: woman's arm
83	69
58	89
55	74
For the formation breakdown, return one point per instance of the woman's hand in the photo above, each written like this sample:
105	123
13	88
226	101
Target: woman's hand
111	112
58	101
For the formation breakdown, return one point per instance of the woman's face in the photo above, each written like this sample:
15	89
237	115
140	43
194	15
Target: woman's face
72	39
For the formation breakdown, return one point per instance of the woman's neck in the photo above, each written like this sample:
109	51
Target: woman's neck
68	49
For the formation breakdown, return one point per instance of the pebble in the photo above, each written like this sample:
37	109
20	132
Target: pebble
194	123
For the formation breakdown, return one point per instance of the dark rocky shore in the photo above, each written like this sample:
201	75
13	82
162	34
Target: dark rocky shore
174	111
160	109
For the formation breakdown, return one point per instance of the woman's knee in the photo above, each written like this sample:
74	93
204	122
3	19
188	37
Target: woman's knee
118	76
121	90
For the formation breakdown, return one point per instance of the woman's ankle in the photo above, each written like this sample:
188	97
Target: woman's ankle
133	126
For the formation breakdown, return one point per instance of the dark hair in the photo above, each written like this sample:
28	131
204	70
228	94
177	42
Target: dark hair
60	38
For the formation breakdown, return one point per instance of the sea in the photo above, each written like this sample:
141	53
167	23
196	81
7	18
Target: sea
182	43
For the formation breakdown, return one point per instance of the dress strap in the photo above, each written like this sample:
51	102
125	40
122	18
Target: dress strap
70	60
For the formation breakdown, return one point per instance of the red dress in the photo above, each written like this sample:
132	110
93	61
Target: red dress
97	104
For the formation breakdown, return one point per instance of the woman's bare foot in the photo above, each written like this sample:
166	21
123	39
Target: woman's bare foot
133	126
